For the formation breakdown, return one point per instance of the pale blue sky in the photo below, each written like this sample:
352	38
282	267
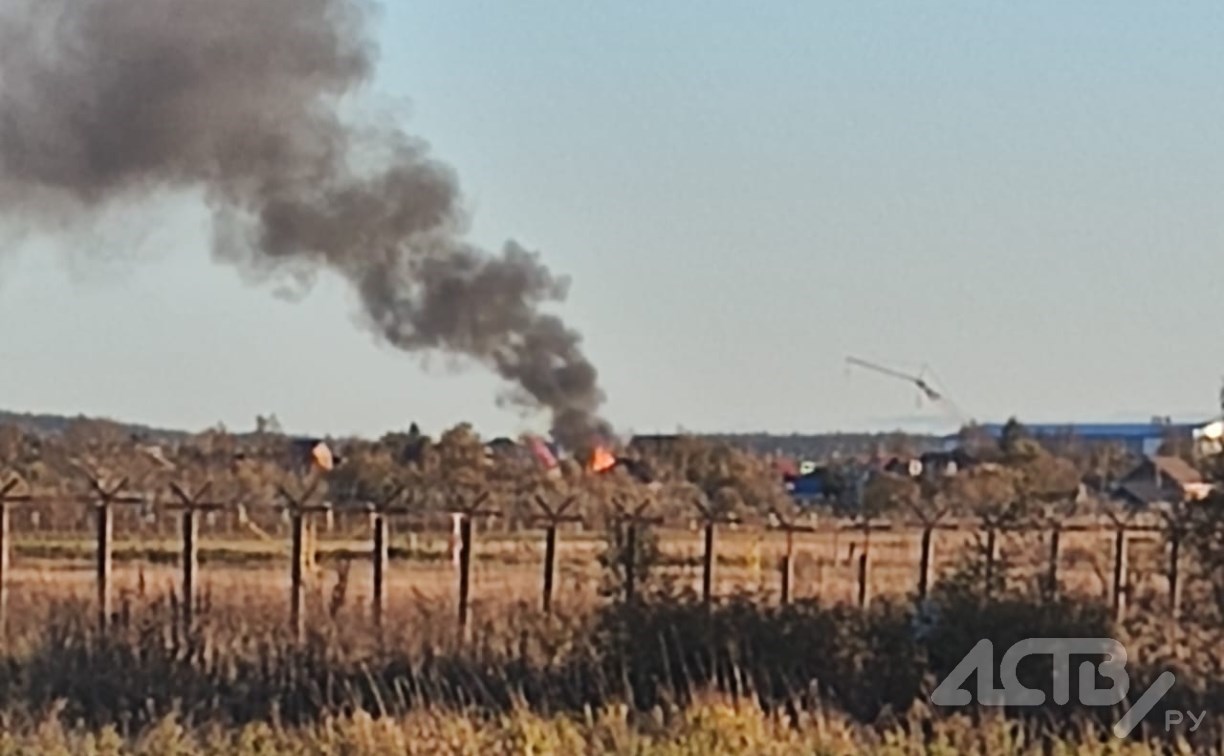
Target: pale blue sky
1029	197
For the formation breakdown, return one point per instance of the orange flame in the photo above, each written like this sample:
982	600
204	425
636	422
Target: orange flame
322	457
602	460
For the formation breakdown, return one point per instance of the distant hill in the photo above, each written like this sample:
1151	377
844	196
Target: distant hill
798	445
50	425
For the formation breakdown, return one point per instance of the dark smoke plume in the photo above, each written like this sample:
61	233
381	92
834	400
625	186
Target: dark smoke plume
106	102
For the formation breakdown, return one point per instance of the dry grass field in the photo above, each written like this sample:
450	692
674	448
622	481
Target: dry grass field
713	728
226	686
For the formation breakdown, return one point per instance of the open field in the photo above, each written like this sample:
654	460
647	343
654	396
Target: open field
594	676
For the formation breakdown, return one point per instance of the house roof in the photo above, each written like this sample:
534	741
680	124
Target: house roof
654	438
786	466
1177	470
1142	492
959	456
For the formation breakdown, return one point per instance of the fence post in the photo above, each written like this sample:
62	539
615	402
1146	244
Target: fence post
4	564
990	560
191	563
297	536
707	564
379	556
465	568
788	567
864	577
299	509
104	530
466	515
864	560
7	499
1051	586
924	562
710	519
1175	588
631	521
630	561
104	527
552	518
380	550
189	505
1119	573
550	557
930	520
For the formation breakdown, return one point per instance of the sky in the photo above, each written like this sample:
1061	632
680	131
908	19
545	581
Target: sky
1023	199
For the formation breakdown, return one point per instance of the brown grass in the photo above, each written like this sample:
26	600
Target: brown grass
244	589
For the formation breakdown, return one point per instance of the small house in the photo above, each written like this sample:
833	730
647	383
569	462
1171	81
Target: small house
1162	479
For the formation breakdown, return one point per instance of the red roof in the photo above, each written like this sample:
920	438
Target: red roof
786	466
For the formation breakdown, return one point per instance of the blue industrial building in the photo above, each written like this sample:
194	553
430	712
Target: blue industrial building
1141	438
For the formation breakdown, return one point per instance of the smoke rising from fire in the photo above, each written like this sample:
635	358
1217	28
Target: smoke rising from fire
108	102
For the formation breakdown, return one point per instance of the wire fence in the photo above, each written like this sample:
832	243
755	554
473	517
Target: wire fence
831	559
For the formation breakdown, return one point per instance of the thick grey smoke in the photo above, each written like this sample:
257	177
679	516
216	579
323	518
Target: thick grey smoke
106	102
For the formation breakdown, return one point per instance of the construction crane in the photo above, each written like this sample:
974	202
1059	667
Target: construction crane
933	396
